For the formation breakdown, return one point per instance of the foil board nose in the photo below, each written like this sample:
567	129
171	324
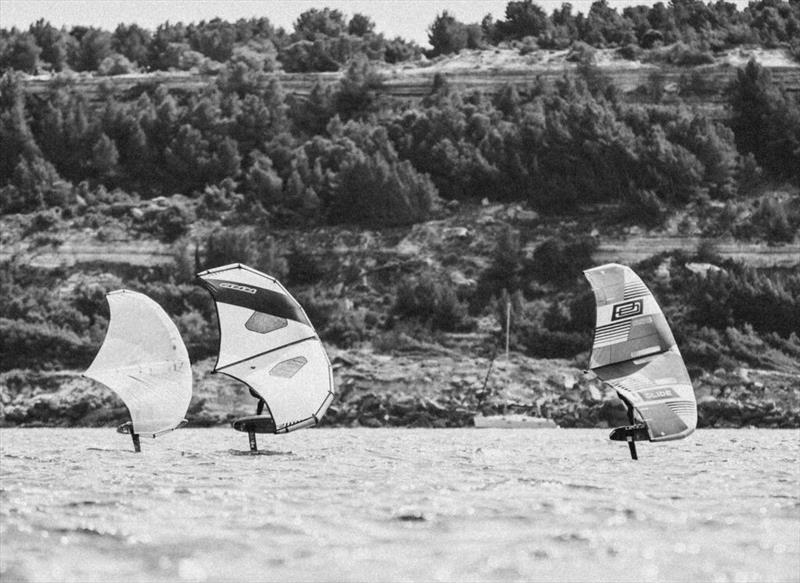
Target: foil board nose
254	424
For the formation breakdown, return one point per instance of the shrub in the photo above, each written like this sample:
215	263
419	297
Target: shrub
432	301
644	206
739	296
242	245
116	64
335	320
766	121
447	35
303	267
41	346
686	56
504	275
374	191
37	185
560	261
357	91
199	333
306	56
170	222
777	220
544	343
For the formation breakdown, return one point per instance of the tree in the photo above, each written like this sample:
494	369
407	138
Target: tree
15	132
263	182
258	120
376	189
115	64
313	23
39	184
504	274
447	35
215	39
23	54
95	45
766	121
166	34
305	56
356	93
360	25
605	27
311	115
133	42
104	155
523	18
56	44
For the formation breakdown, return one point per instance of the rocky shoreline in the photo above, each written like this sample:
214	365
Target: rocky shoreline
431	388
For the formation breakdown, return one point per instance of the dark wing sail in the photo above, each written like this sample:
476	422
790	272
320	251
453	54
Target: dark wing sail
268	343
634	351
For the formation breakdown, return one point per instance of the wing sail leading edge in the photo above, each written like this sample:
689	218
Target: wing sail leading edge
143	360
635	352
268	343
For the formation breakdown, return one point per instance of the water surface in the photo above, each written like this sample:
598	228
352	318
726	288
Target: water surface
398	504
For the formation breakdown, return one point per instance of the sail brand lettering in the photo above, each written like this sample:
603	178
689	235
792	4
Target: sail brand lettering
237	287
655	394
626	310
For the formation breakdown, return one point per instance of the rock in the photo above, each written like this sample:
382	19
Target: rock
339	361
702	269
369	422
613	413
527	215
434	407
456	233
592	393
460	280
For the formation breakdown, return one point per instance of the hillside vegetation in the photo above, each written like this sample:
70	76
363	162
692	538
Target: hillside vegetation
406	224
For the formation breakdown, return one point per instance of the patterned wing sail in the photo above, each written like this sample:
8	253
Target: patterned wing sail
268	343
145	362
634	351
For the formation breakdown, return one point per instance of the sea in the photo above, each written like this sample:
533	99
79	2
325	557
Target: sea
398	505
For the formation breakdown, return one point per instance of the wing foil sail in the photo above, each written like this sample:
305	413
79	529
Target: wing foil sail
268	343
145	362
635	352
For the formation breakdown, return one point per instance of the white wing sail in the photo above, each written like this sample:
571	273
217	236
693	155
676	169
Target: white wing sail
634	351
145	362
268	343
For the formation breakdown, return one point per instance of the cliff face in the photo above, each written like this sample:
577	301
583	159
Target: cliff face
433	387
412	383
420	384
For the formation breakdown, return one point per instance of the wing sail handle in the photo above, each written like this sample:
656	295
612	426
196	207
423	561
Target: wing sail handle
143	360
634	351
268	343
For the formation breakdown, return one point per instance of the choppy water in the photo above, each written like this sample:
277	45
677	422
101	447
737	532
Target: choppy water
404	504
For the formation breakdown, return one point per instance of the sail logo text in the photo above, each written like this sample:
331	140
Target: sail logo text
655	394
626	310
237	287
